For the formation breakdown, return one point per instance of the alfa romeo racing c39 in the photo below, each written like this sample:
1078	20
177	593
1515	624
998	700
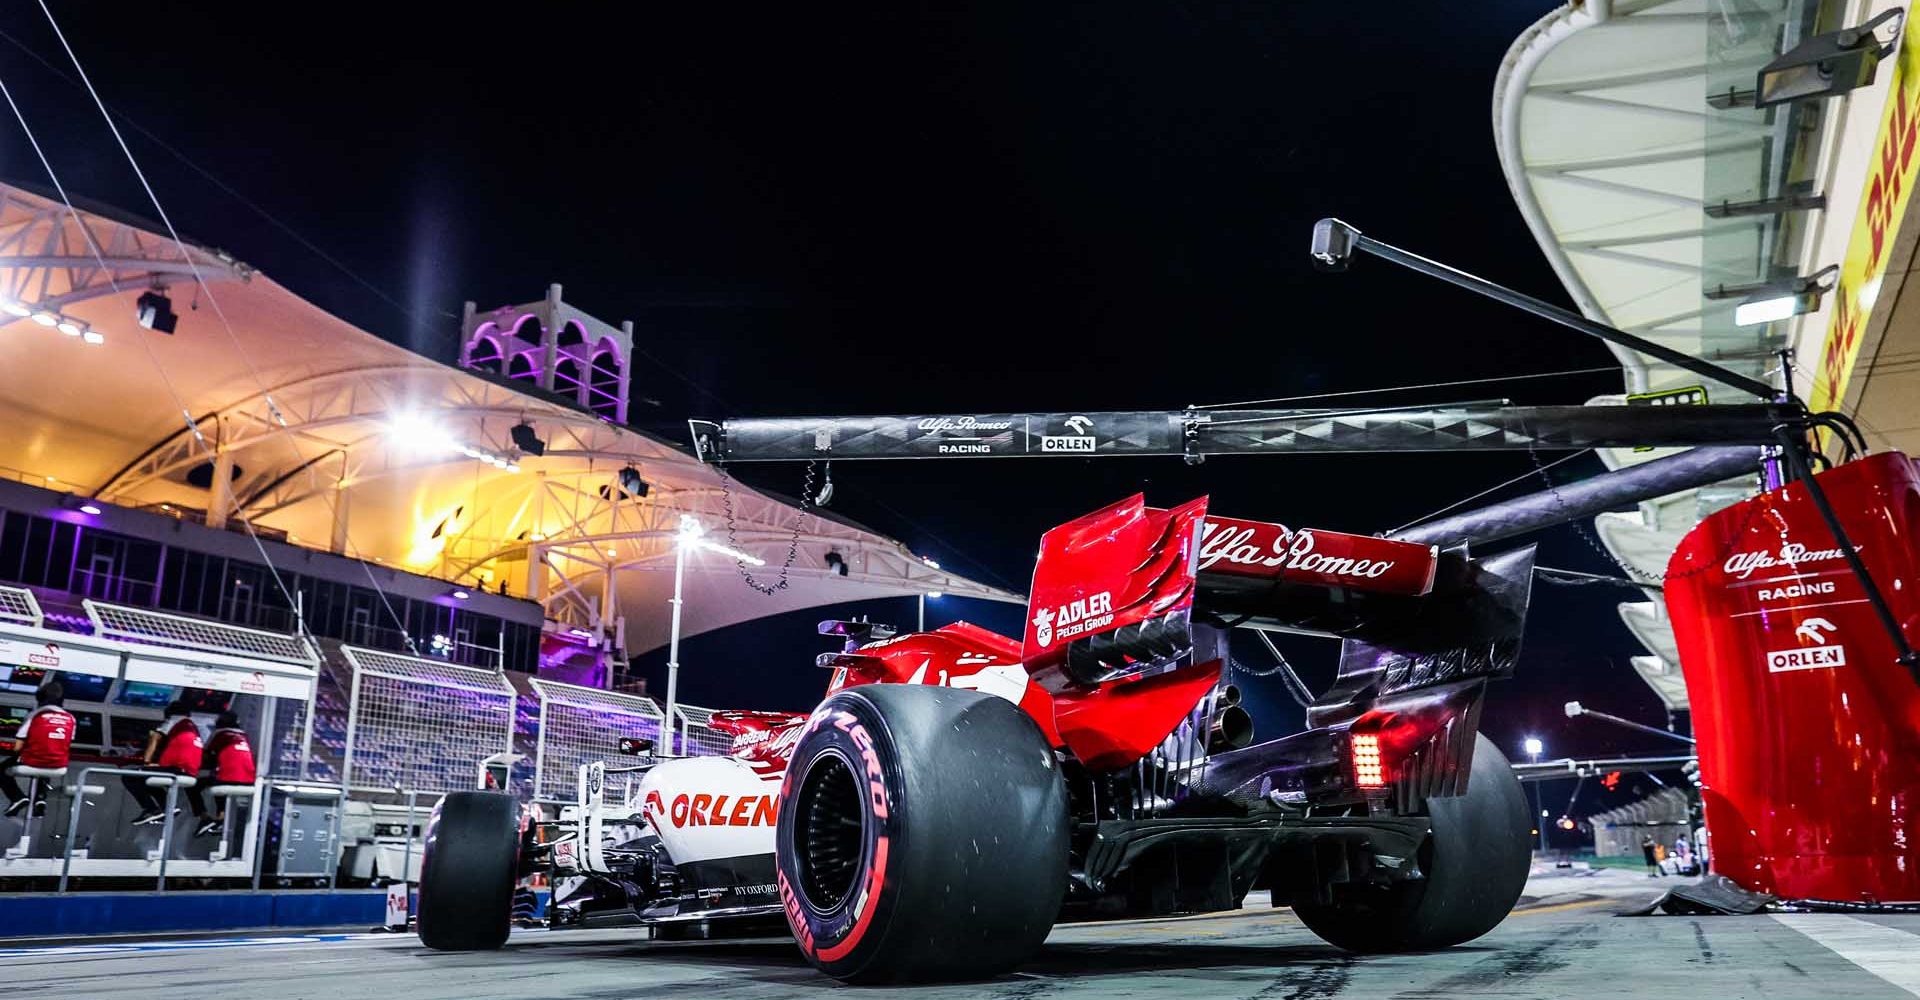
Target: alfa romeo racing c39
958	792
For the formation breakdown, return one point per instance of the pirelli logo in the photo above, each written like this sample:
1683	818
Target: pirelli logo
1815	658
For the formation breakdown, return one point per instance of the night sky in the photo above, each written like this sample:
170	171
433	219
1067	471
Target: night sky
820	209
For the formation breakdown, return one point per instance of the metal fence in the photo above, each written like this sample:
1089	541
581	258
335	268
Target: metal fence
118	621
17	605
697	737
421	724
581	725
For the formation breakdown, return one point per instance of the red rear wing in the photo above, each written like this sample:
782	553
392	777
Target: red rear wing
1114	591
1232	547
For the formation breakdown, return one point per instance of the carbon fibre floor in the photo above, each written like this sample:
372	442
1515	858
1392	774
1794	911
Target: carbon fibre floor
1565	941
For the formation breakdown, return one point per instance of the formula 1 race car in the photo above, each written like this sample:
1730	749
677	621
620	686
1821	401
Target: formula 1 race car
1100	766
675	840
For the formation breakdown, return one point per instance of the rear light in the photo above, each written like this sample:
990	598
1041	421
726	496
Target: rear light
1369	770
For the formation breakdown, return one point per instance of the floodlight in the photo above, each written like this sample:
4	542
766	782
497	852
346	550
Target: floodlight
68	327
526	440
1826	65
154	311
1533	746
1574	709
45	318
632	484
15	308
93	337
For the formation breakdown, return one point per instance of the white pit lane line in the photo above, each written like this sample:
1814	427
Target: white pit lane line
1883	951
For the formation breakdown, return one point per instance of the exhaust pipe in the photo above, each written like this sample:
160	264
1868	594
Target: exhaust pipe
1232	727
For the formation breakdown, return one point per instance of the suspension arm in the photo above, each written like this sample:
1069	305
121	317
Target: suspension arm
1195	434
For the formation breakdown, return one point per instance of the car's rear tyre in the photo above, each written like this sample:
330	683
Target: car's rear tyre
922	835
469	869
1475	864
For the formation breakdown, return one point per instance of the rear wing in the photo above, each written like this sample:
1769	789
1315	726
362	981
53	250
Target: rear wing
1130	591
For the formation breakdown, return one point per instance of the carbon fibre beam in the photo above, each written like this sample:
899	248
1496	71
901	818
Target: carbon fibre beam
1194	434
1587	497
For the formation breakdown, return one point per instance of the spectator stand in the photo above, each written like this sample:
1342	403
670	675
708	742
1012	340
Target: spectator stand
420	726
87	834
579	726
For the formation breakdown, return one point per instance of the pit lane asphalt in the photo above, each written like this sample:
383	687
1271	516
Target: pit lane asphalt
1565	941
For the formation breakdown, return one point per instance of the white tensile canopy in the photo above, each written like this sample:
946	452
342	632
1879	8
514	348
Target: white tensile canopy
303	408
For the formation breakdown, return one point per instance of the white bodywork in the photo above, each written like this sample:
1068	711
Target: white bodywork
700	808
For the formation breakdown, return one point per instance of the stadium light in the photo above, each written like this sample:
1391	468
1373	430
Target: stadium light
693	535
15	308
93	337
68	327
87	508
45	318
154	311
1533	747
1826	65
1784	298
461	594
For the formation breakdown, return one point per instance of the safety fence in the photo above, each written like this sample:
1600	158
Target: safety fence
581	725
17	604
697	736
416	723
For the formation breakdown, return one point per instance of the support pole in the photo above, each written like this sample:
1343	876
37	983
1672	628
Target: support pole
673	643
1335	241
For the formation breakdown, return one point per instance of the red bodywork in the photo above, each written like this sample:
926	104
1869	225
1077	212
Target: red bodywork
1809	730
1111	661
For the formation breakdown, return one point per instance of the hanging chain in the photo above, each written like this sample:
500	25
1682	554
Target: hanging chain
1586	534
793	544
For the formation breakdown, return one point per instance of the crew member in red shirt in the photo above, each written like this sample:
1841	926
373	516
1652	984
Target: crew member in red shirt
46	738
173	747
231	757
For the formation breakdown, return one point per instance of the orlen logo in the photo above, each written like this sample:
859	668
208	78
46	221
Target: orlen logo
1071	619
714	810
50	658
255	684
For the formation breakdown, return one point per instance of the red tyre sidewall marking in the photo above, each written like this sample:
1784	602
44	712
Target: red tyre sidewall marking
879	807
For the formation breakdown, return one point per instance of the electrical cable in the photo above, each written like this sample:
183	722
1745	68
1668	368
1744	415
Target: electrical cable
1296	688
1497	487
273	408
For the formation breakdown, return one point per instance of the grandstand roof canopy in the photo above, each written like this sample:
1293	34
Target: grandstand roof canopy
324	465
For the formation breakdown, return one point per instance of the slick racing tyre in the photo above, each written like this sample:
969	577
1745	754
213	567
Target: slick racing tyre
469	870
1475	865
922	835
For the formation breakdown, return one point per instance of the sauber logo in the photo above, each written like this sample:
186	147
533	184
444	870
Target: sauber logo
1071	619
713	810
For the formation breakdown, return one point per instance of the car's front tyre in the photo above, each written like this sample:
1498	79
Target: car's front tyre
468	872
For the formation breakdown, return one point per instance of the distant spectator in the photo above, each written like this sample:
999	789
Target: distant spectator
46	739
174	747
1647	848
231	757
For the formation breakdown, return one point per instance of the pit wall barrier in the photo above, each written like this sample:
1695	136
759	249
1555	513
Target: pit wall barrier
95	914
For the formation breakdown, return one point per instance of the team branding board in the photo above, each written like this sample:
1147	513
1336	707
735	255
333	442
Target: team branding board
58	655
1793	684
216	677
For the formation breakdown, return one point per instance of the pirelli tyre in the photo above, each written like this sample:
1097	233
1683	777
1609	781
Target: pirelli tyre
922	835
1475	866
469	870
